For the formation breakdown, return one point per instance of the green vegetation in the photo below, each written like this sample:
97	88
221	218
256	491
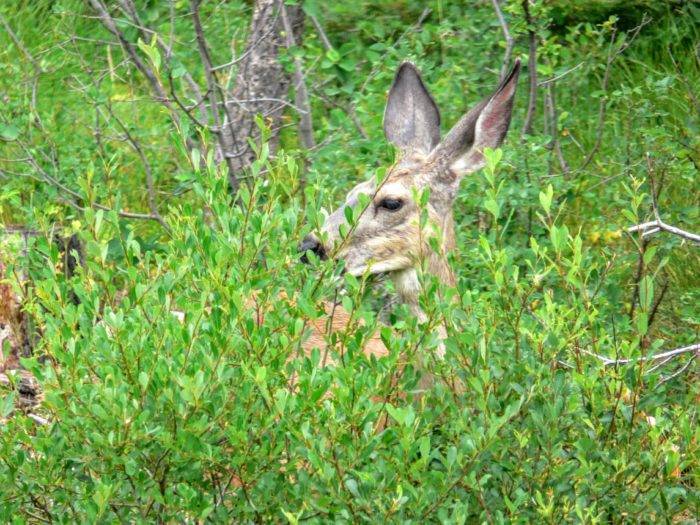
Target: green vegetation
152	419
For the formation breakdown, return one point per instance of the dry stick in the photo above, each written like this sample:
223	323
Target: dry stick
550	105
75	195
38	70
679	371
321	33
249	50
510	42
602	105
129	9
188	110
688	86
150	190
213	89
128	47
559	77
651	227
663	355
532	70
18	42
655	226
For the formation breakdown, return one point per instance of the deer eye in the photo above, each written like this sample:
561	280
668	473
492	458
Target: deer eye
391	204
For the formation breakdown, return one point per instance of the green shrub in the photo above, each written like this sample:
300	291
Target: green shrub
154	419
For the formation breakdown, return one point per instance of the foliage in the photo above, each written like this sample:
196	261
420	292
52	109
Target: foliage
157	419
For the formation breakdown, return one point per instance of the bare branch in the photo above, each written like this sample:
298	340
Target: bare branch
663	355
306	129
225	141
71	197
558	77
532	70
510	42
17	42
156	87
602	105
679	371
129	9
321	33
247	52
150	190
550	106
655	226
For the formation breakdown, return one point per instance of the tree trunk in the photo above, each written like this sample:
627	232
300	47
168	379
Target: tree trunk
262	84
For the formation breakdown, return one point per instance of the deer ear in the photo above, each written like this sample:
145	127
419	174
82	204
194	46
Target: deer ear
485	126
411	118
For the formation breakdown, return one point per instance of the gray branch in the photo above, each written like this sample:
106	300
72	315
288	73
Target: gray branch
655	226
510	42
657	357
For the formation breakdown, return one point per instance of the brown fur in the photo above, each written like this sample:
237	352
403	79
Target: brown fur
10	325
338	320
393	239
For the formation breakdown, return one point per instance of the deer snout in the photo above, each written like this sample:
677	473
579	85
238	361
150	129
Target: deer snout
312	244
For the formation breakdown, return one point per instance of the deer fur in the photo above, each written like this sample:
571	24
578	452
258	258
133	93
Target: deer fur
387	237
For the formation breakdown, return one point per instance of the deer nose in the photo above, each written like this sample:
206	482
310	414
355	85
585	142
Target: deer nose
311	243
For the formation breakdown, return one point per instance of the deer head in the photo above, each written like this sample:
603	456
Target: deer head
387	236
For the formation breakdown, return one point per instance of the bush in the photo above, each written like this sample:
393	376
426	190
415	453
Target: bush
157	418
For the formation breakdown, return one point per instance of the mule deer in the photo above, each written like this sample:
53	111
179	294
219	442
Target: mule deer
387	237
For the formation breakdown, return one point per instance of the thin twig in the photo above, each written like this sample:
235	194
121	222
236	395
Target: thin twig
156	86
532	70
18	43
74	197
663	355
510	42
150	190
679	371
129	8
602	105
543	83
657	225
550	105
225	142
321	33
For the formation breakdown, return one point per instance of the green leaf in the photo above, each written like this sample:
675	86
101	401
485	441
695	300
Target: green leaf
8	404
9	132
349	215
492	157
546	198
649	254
492	207
646	292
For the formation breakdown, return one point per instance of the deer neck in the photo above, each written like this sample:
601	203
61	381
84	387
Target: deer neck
407	282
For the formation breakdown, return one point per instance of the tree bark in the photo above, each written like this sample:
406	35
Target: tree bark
262	84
